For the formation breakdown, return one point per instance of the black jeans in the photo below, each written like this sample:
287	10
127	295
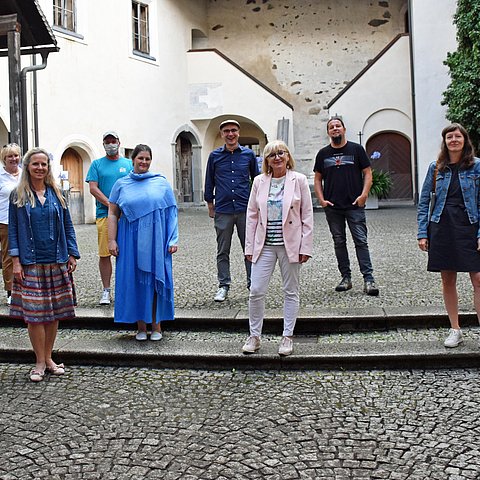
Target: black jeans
356	220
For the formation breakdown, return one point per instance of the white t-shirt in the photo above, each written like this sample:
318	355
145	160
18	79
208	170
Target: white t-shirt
7	183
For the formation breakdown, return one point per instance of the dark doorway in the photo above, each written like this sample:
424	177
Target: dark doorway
183	169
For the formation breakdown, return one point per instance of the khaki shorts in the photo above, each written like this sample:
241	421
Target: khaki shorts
102	231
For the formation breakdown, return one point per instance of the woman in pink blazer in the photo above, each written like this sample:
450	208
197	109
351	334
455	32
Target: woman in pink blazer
279	228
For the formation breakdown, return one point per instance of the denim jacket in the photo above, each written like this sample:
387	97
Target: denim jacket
470	186
20	235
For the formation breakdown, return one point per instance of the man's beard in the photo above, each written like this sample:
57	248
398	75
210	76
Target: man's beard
337	140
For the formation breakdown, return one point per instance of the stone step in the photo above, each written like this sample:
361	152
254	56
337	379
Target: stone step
399	348
310	321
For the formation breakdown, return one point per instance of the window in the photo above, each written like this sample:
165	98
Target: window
141	41
128	152
64	14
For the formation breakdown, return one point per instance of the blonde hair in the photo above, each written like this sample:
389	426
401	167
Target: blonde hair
273	147
23	194
8	150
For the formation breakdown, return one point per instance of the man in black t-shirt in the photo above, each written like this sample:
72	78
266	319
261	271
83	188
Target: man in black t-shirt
343	178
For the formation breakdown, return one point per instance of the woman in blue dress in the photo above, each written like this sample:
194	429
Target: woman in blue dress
143	235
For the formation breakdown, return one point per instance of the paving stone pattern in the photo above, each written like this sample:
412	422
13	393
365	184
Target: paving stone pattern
400	267
117	423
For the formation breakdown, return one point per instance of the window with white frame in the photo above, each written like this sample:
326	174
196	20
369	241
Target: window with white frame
64	15
140	33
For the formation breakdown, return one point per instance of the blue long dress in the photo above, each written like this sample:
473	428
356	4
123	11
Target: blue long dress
146	229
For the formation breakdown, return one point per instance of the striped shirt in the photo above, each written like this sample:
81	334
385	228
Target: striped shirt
274	212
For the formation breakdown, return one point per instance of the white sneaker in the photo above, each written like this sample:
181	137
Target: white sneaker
9	300
221	294
251	345
105	300
454	339
286	347
156	336
141	336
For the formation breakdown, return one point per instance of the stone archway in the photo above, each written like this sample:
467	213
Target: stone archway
394	156
3	133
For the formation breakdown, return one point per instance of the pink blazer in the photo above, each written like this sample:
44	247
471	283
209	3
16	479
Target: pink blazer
297	216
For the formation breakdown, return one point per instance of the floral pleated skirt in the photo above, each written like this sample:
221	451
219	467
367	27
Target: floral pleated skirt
45	295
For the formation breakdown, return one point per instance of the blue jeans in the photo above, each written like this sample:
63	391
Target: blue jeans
357	225
224	223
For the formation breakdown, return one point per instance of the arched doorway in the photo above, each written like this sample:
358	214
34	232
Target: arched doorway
183	168
394	156
73	164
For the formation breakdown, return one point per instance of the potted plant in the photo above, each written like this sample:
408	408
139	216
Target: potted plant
381	186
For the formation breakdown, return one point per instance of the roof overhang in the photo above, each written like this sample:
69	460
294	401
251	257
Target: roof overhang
36	34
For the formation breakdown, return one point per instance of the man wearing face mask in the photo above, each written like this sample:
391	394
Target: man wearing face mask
101	176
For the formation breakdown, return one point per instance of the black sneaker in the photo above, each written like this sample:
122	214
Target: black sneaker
344	285
370	288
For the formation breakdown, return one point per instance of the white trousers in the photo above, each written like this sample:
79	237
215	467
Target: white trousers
262	271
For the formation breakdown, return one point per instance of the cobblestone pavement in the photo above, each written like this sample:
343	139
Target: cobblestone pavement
115	423
400	267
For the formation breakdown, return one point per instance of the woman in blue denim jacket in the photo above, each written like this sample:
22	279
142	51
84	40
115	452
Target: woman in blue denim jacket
44	250
449	231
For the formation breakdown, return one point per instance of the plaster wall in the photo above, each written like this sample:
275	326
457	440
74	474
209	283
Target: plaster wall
304	50
96	83
435	35
375	102
216	88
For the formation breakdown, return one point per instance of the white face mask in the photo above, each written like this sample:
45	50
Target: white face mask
111	149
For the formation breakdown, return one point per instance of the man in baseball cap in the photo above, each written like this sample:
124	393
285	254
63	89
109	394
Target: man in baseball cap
101	176
227	188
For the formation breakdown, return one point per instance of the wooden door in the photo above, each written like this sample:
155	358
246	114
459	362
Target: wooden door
73	164
395	158
184	183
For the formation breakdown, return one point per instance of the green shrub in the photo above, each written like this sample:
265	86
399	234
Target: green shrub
381	183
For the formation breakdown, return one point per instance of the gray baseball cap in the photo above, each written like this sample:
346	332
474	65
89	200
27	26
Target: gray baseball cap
111	133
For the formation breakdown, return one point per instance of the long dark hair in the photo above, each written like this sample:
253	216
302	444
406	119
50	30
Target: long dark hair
468	154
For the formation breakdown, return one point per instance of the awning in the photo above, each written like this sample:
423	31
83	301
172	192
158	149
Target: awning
36	34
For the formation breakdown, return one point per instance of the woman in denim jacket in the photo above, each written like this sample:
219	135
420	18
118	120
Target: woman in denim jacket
44	250
451	233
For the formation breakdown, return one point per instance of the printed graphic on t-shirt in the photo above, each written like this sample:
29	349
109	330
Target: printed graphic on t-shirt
339	160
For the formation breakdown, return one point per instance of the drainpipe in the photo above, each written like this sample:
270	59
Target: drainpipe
414	107
23	81
36	142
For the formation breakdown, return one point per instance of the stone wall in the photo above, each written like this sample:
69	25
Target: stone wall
305	50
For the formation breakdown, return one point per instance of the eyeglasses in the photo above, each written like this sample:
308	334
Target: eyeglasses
273	155
230	130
